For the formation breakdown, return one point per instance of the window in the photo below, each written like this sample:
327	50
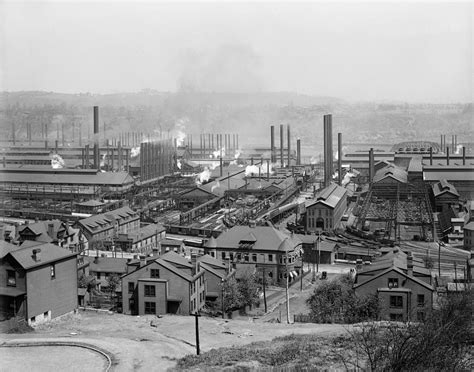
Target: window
231	255
392	282
396	317
212	254
396	301
11	278
98	275
270	257
131	287
150	291
246	258
154	273
223	255
52	270
254	257
150	307
421	300
239	256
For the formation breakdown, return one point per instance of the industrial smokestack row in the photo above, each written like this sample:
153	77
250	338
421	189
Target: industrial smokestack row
156	159
328	155
298	152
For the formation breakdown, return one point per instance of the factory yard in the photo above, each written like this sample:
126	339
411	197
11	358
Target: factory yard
145	342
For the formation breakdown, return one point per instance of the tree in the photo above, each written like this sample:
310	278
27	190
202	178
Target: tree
112	283
88	282
441	342
232	296
335	301
249	290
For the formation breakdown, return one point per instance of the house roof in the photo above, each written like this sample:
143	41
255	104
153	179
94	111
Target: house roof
176	270
211	261
391	171
68	176
91	203
219	273
442	187
397	258
211	243
324	245
172	242
50	253
469	226
266	238
393	268
448	172
175	259
107	264
41	229
106	219
329	196
145	232
6	248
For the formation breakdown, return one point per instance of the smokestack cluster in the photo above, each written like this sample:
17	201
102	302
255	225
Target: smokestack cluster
328	155
209	142
156	159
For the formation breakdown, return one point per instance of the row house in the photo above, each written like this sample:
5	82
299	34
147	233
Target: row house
401	282
167	284
102	268
37	283
144	240
107	226
269	250
50	231
215	273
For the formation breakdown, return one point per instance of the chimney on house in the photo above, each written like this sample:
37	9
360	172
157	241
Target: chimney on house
51	230
37	254
409	264
96	260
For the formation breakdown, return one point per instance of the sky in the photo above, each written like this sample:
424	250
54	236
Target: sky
403	51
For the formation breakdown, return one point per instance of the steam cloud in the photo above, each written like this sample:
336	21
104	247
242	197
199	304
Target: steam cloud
57	162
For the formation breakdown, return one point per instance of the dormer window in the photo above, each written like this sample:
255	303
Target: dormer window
392	282
11	278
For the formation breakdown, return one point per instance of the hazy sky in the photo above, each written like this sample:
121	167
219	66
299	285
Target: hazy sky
356	51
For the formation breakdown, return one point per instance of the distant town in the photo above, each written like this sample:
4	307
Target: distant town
170	224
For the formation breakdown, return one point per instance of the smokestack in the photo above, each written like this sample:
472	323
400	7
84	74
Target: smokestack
371	165
272	143
441	143
298	152
447	155
87	156
281	145
328	166
119	152
339	158
444	141
453	145
431	155
96	138
221	166
463	155
289	143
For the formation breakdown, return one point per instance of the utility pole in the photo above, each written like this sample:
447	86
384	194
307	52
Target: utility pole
439	260
264	293
455	277
196	316
223	307
319	251
287	291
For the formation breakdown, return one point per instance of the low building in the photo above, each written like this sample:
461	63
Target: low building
102	268
469	236
269	249
144	240
326	211
168	284
38	283
402	284
323	252
167	245
445	196
101	227
215	273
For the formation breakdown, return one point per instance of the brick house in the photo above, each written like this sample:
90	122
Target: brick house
402	284
216	272
105	226
268	249
50	231
167	284
326	211
38	283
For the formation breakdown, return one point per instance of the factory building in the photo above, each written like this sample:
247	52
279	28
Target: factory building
326	211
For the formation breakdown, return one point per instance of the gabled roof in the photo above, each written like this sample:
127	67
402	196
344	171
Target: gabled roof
329	196
469	226
107	219
6	248
211	243
391	171
409	277
324	245
176	270
219	273
41	229
396	258
50	253
145	232
107	264
442	187
266	238
211	261
175	259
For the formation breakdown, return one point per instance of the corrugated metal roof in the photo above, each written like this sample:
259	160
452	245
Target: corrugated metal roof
330	196
100	178
393	172
442	187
